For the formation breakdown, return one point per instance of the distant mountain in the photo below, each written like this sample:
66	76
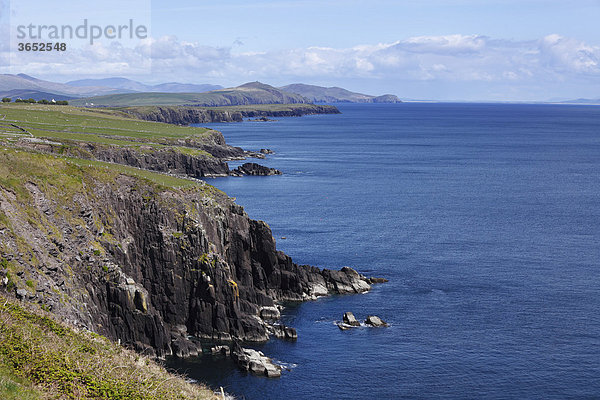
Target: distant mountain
25	82
114	83
249	93
129	85
320	94
33	94
580	101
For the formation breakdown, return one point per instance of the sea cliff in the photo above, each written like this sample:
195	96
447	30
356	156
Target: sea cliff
145	260
182	115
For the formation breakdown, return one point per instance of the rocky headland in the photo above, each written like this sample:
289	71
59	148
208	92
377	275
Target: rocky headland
185	115
155	267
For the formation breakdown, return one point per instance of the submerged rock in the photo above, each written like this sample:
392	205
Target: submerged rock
344	327
261	119
373	280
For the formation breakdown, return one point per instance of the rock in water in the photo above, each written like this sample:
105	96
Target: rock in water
373	280
375	321
254	170
255	362
350	319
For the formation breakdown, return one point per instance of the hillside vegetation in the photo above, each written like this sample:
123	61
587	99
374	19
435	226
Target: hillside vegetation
41	358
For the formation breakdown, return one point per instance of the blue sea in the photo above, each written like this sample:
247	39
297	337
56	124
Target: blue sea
485	218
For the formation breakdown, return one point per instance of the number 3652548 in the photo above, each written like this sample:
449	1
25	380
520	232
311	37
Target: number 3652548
42	46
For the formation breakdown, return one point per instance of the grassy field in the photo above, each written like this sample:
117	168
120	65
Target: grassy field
54	121
68	125
72	125
41	358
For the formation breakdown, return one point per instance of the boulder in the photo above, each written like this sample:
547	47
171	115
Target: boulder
375	321
350	319
255	362
21	293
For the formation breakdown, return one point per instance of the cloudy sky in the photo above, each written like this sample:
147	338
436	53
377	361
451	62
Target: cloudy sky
419	49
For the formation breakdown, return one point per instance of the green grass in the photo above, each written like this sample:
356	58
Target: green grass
42	358
13	387
67	173
51	121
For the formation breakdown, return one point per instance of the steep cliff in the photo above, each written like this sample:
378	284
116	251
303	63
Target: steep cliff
184	115
146	261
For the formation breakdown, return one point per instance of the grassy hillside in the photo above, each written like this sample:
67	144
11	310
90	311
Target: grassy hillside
251	93
320	94
41	358
111	127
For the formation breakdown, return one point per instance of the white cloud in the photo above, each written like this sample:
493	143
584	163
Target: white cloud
570	55
451	59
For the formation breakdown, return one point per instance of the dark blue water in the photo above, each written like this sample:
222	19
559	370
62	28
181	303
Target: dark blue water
486	220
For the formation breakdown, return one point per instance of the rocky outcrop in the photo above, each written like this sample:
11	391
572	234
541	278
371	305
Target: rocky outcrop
350	319
153	267
254	170
256	362
185	115
386	98
375	321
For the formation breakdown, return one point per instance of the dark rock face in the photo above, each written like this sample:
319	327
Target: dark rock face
254	170
283	332
186	115
183	115
153	267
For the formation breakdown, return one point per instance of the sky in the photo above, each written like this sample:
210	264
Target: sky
477	50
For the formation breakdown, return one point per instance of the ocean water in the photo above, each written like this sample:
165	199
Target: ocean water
484	217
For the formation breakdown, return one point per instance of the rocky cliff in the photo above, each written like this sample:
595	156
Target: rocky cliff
182	115
154	266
